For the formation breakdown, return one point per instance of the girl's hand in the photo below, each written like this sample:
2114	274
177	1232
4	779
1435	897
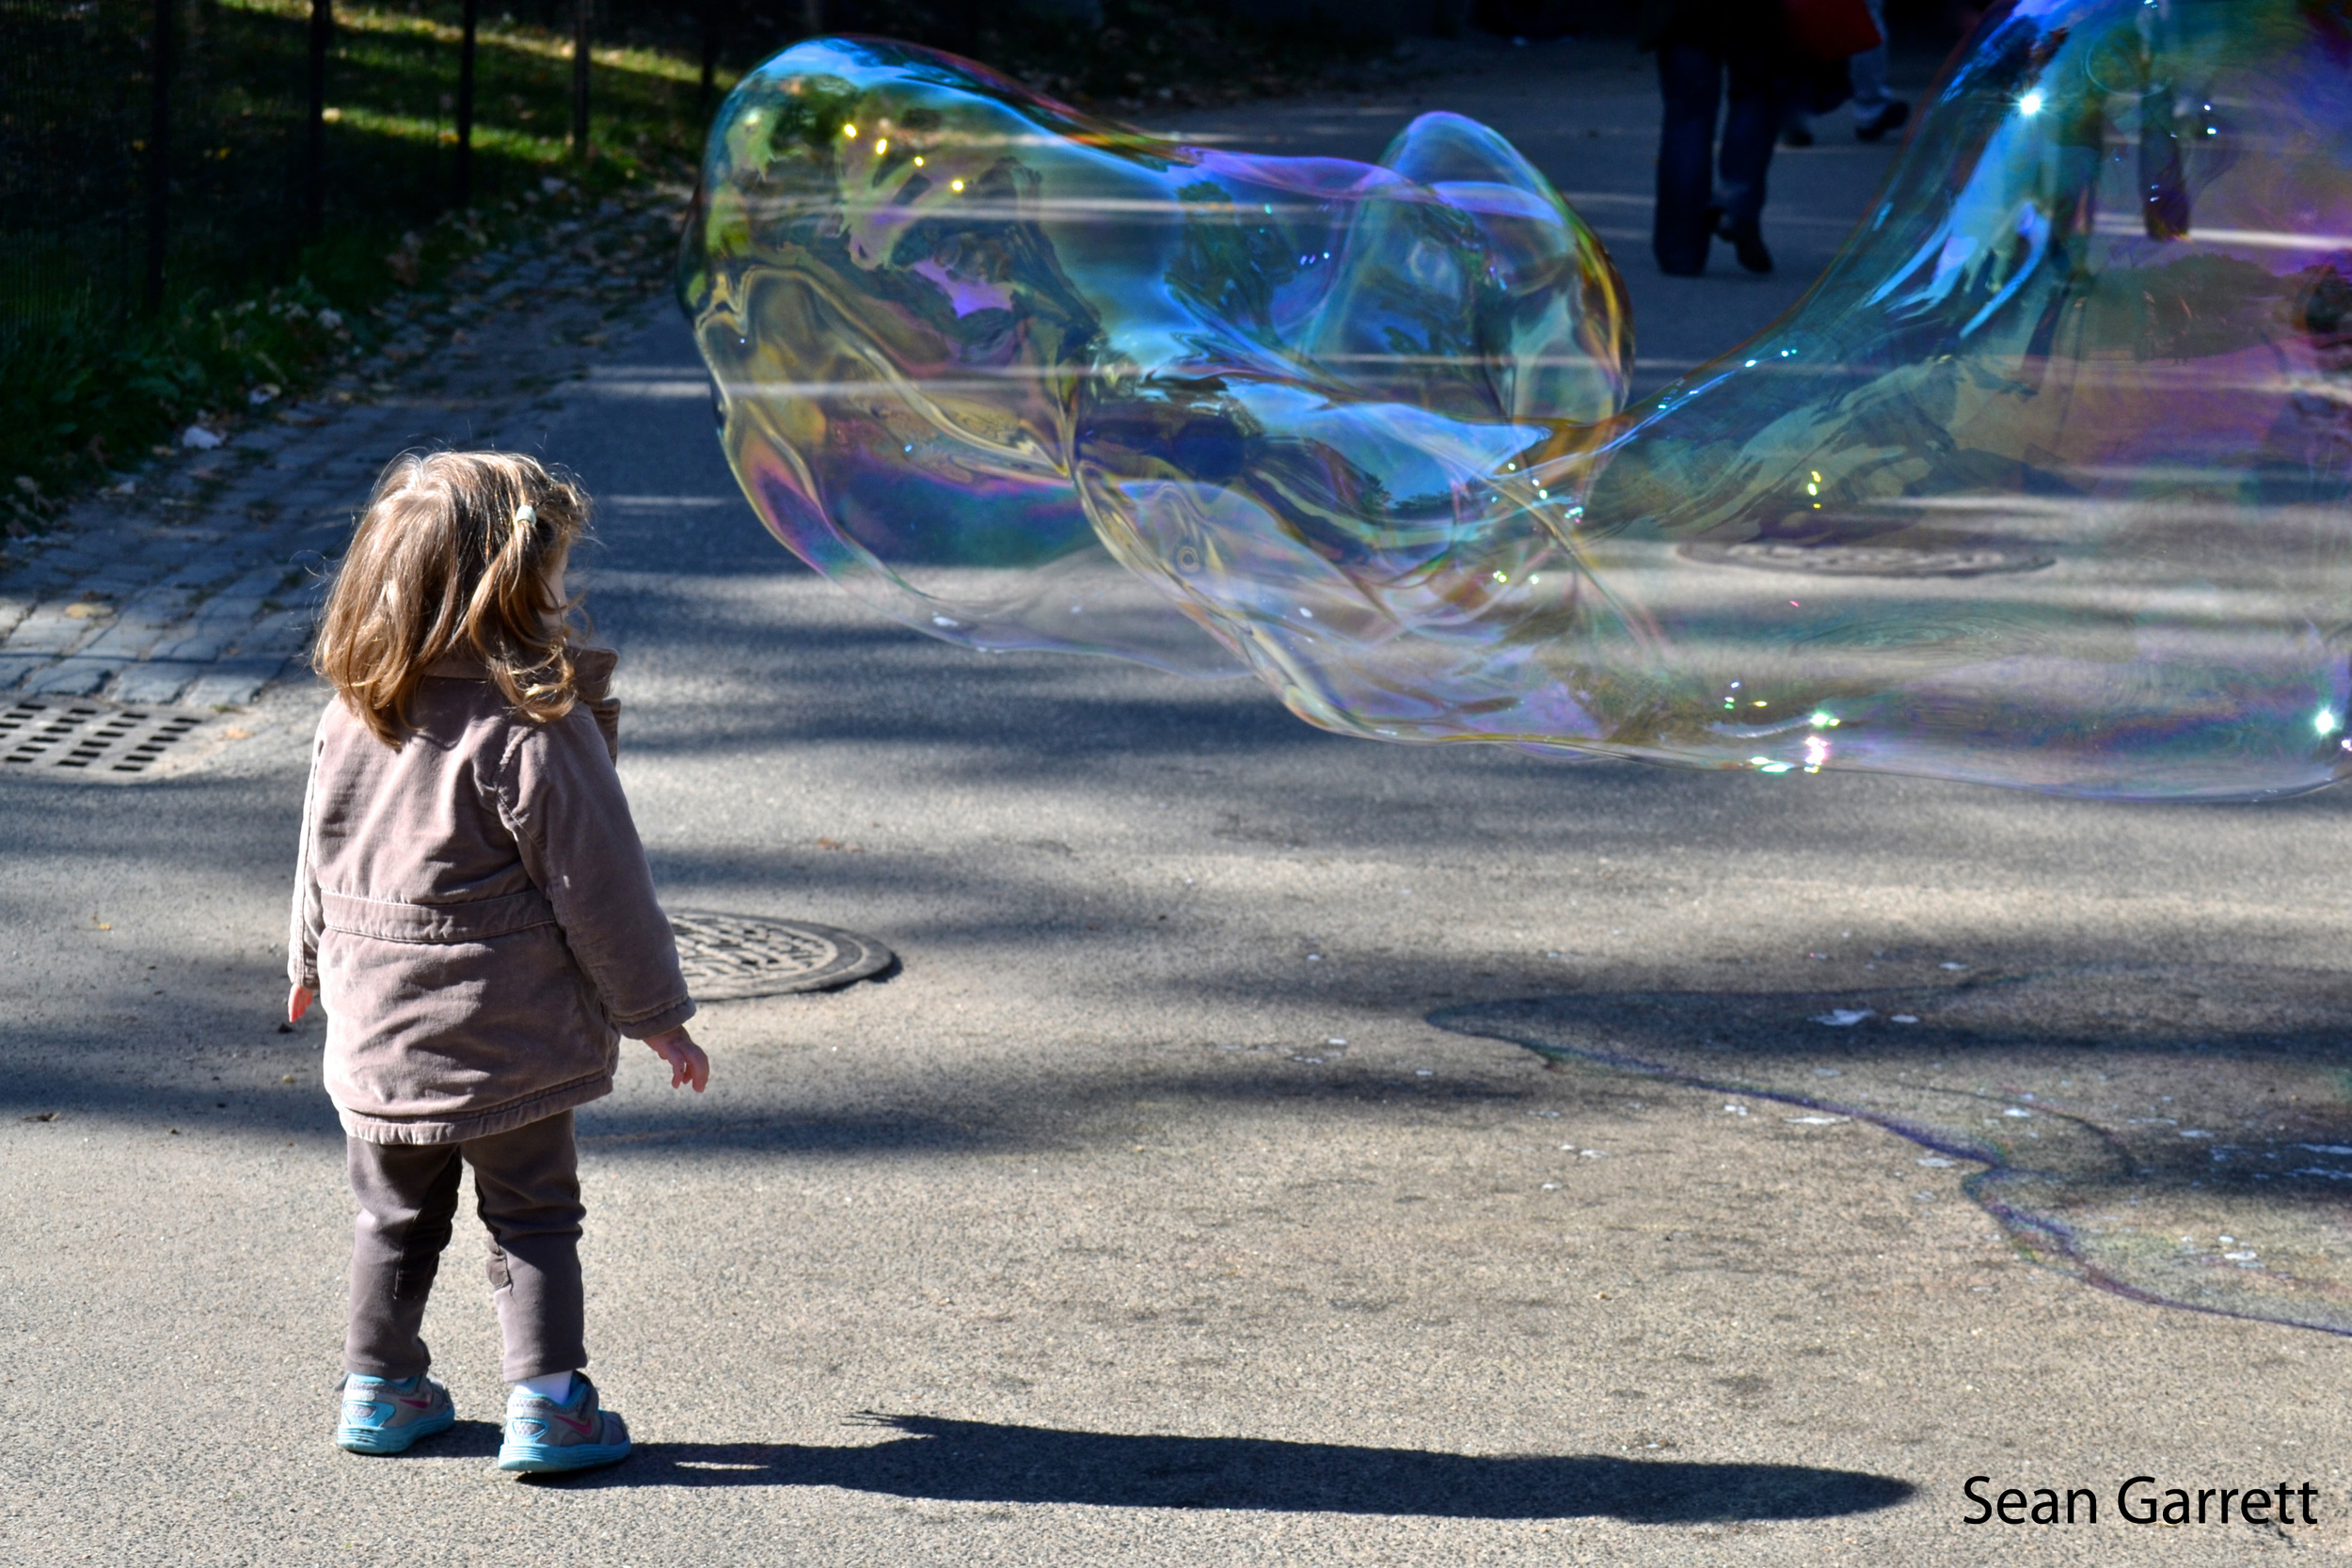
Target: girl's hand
688	1065
297	1003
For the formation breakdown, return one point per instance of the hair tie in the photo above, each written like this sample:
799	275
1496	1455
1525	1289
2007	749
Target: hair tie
526	516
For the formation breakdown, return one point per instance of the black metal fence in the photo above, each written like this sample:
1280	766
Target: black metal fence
146	145
149	146
75	109
144	142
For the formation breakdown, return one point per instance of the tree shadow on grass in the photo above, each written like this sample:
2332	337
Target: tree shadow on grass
950	1461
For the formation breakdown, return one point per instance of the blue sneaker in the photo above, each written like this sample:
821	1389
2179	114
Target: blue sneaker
385	1416
577	1434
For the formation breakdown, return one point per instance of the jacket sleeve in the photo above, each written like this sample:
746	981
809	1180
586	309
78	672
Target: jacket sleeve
302	928
563	800
593	670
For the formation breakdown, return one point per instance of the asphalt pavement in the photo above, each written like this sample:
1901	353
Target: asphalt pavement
1144	1215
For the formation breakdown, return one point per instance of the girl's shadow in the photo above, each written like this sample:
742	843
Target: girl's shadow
932	1457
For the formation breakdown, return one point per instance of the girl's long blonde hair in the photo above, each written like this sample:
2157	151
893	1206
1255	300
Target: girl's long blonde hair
454	556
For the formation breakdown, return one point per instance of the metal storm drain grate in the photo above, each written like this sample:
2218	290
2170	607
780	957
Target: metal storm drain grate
728	957
90	739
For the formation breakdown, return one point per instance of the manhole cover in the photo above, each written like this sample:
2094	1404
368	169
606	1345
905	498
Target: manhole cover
1870	561
55	736
728	957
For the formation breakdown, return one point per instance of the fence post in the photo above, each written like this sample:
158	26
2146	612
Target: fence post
464	106
159	69
708	15
315	132
583	13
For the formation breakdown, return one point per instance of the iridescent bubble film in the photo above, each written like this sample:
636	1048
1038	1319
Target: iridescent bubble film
2044	484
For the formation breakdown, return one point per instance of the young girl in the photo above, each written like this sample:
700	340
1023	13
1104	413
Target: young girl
474	908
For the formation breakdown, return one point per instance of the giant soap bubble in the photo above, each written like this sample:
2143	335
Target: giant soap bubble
2044	484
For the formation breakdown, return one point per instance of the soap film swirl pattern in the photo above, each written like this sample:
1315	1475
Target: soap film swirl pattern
2044	483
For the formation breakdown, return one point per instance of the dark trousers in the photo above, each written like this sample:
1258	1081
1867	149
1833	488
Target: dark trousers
1691	78
526	1190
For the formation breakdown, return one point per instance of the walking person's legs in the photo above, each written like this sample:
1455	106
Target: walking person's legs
1868	70
1749	133
1874	113
1689	79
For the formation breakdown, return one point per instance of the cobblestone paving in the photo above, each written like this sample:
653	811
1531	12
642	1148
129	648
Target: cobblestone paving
197	583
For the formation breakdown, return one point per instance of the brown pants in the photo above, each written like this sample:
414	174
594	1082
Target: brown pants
526	1190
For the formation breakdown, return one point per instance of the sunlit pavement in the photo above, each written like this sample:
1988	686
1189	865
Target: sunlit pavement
1143	1216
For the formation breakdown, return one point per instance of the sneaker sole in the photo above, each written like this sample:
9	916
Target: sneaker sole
375	1440
530	1459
